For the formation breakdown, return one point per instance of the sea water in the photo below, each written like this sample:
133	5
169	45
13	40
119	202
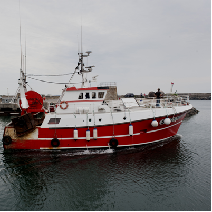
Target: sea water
174	175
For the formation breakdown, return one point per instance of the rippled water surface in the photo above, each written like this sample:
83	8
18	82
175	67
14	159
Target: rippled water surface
175	175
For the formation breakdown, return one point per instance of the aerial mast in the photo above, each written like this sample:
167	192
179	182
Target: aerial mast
22	80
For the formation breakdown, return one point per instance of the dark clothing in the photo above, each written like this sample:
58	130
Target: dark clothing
158	103
157	94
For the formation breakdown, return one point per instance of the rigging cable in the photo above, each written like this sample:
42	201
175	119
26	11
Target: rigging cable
50	75
53	82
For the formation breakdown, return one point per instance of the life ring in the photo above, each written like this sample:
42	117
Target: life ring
113	143
7	140
55	142
61	105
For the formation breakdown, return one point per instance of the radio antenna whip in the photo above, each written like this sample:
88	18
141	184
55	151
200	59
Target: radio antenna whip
20	31
25	55
78	43
81	27
81	38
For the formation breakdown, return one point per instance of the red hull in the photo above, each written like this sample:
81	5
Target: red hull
143	133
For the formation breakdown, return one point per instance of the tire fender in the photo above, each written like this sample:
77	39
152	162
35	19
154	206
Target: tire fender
114	143
55	142
7	140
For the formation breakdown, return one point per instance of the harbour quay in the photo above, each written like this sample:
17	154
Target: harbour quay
192	96
198	96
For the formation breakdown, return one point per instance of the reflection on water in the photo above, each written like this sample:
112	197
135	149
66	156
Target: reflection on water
62	180
173	175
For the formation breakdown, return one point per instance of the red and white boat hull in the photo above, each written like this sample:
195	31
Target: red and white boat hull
143	133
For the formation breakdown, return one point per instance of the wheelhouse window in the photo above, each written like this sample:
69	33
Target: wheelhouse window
54	120
80	96
87	95
93	95
101	95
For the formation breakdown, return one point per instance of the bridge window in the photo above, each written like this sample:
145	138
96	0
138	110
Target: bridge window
101	94
87	95
80	96
93	95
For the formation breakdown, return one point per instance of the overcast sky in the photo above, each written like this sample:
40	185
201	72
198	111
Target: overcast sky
140	44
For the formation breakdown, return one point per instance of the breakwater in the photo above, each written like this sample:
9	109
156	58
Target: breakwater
191	112
198	96
192	96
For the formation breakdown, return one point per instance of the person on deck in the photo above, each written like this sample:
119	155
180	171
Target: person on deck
158	96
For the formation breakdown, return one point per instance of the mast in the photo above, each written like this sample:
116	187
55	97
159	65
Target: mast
22	80
22	88
83	71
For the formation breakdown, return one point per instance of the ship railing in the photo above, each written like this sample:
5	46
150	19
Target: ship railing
166	101
118	105
109	84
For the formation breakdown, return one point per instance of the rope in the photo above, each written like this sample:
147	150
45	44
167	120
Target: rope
75	118
129	115
55	133
175	111
167	113
94	117
87	121
153	113
112	120
29	86
72	76
15	97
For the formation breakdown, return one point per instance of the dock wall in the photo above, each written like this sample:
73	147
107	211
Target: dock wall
192	96
198	96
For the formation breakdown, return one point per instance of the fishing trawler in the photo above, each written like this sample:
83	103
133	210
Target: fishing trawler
83	119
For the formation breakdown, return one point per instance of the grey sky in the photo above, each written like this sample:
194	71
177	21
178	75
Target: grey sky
140	44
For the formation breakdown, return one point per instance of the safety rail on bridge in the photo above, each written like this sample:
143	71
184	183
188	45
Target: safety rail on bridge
110	84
